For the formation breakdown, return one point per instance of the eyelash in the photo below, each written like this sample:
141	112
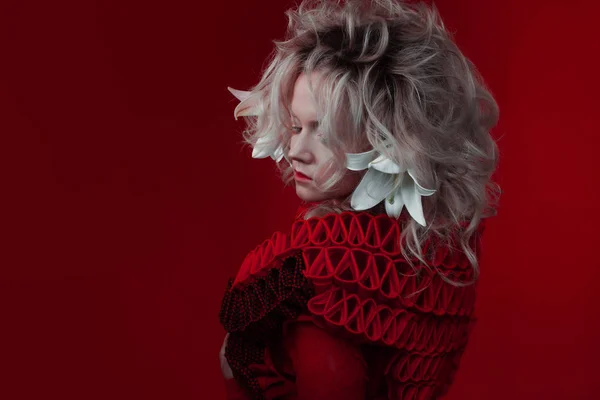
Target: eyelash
298	129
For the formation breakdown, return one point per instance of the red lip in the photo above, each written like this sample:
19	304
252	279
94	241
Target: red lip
299	176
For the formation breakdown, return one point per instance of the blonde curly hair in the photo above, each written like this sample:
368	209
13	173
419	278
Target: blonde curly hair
393	80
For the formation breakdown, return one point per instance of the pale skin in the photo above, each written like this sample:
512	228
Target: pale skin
310	156
308	152
225	368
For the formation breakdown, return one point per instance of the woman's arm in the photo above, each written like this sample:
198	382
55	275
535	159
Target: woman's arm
326	367
232	389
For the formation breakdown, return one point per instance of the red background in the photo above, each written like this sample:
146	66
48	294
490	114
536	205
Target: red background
128	199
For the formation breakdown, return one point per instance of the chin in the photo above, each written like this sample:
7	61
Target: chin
309	195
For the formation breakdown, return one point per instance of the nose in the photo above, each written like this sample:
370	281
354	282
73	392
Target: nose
300	149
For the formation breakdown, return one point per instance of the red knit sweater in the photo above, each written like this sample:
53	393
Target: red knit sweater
335	311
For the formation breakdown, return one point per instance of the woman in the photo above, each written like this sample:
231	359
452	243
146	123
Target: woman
384	127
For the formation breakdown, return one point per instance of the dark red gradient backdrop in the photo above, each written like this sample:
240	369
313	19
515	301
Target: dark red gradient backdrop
128	201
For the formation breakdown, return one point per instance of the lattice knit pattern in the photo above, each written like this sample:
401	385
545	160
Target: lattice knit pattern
347	271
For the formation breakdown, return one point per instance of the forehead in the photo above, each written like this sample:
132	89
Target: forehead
303	104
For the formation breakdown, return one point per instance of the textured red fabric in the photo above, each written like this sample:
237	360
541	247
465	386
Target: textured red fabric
325	367
350	279
234	391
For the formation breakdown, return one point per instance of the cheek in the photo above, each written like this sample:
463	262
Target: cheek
325	162
344	186
325	171
290	144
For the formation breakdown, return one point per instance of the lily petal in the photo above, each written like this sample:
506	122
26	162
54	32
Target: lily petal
259	152
359	161
277	154
384	164
241	95
412	199
264	147
394	204
248	106
422	191
374	187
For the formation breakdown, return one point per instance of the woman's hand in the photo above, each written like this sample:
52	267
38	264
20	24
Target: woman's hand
225	368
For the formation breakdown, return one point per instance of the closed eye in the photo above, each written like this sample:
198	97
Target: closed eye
297	129
312	125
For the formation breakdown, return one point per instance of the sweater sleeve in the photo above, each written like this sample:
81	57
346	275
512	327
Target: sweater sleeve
326	367
234	391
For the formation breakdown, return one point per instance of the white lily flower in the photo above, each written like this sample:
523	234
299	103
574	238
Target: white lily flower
248	107
386	180
267	147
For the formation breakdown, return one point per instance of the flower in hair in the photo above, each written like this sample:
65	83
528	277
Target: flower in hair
386	180
265	146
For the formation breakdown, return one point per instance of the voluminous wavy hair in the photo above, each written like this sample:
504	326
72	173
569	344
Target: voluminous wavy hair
393	80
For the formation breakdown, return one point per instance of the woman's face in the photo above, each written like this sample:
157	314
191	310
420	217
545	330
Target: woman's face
309	155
